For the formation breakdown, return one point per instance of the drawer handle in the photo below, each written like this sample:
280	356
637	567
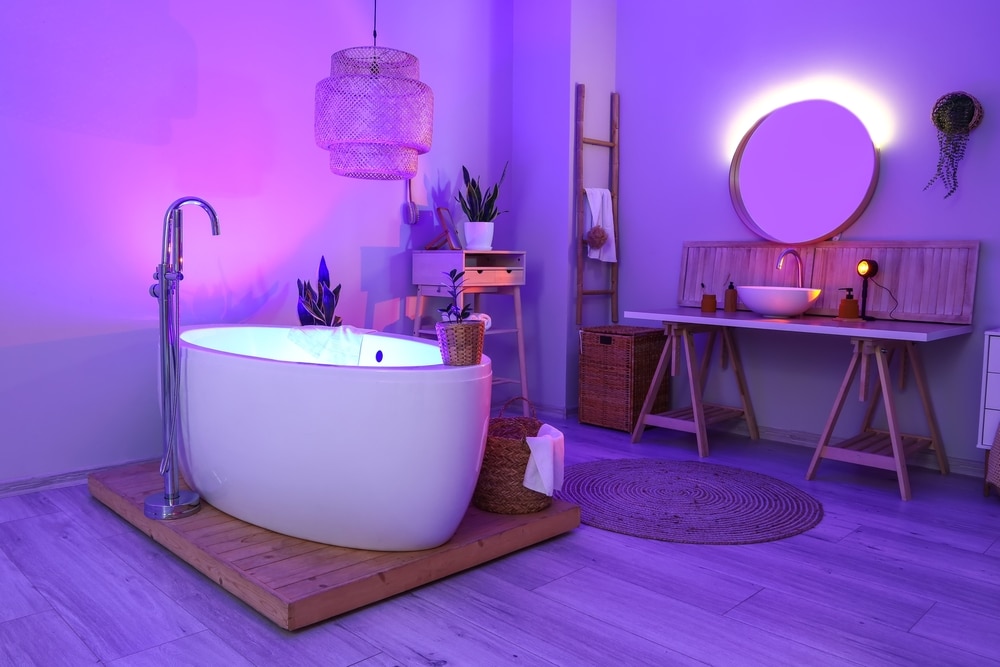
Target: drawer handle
510	270
480	272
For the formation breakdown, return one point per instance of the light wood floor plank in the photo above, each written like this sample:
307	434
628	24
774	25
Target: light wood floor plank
263	643
963	629
848	635
808	574
42	639
13	508
546	628
652	565
678	626
117	610
17	596
417	632
203	648
929	550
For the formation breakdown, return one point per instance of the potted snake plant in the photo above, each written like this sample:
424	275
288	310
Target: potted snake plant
480	208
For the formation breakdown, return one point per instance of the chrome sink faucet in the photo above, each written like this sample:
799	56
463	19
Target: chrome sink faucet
781	262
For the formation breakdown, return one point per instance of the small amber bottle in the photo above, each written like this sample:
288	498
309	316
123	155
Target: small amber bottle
730	299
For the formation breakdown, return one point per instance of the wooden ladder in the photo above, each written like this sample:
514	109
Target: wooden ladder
581	250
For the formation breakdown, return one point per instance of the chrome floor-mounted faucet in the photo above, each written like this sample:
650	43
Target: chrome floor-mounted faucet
794	253
173	503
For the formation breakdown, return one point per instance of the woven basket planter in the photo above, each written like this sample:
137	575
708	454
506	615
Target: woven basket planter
461	343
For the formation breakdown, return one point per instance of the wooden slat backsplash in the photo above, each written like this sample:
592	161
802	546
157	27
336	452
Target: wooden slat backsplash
933	281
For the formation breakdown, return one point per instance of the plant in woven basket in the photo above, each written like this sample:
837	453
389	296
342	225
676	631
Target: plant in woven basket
954	115
317	307
455	286
460	341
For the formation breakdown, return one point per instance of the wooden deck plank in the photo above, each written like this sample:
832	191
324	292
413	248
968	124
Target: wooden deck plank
296	583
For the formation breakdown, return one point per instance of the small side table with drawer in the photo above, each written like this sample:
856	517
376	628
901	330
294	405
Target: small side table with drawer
486	272
989	413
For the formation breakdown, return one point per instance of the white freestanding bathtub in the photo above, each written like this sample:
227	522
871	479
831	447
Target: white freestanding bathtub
383	454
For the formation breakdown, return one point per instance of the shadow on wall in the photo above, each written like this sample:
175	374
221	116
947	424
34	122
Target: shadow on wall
381	270
220	304
116	69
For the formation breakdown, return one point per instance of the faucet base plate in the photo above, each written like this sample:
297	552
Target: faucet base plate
158	507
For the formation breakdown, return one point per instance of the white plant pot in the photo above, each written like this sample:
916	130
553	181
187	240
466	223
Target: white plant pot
478	235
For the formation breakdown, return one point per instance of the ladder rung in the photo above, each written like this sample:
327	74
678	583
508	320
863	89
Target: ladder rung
598	142
588	292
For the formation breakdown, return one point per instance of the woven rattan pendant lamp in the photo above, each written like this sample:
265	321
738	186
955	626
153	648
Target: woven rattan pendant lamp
373	113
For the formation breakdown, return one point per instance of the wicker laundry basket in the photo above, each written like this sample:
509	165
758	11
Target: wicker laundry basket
993	461
617	364
500	488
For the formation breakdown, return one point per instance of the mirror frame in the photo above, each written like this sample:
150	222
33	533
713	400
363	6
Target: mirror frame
755	226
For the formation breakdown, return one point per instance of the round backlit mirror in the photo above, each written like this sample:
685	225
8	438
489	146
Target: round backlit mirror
804	173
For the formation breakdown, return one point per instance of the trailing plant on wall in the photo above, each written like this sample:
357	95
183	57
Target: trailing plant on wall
954	115
316	307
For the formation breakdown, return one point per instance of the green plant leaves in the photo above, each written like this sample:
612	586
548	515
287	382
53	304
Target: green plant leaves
474	205
318	308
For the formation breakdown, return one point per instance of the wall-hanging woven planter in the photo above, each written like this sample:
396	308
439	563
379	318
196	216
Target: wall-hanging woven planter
954	115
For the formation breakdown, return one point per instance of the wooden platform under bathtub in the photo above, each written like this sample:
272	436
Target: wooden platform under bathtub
295	582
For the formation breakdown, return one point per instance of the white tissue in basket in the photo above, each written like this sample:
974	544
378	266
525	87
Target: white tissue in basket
487	320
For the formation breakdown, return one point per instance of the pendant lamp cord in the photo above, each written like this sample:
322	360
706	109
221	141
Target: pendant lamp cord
374	66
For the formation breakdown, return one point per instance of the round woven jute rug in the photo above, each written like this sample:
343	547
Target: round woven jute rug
688	501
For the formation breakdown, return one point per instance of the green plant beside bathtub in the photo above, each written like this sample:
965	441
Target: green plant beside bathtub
456	280
461	342
317	307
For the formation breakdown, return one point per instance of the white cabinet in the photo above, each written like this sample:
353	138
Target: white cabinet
989	413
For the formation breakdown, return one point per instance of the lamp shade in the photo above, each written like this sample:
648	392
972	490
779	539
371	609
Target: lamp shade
374	114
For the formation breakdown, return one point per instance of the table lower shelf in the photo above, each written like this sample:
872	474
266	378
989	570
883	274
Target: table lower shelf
874	449
682	419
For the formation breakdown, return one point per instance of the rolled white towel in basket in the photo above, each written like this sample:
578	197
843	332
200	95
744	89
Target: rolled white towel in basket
544	473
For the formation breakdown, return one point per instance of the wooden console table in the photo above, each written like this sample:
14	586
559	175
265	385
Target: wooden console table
486	272
872	341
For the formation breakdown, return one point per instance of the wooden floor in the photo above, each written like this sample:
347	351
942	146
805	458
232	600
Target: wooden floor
296	582
879	581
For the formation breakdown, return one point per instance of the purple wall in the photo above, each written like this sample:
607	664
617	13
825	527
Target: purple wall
685	69
108	114
111	111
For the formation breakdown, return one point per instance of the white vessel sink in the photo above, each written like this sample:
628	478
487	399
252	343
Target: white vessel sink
778	301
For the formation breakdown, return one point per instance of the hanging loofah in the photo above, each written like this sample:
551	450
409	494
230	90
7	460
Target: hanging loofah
596	238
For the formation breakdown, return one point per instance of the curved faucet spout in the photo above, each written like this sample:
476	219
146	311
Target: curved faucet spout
794	253
172	229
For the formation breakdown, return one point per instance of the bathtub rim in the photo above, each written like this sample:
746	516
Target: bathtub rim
485	363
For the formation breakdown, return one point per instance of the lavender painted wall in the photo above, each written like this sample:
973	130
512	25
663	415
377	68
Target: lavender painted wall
685	69
110	110
108	114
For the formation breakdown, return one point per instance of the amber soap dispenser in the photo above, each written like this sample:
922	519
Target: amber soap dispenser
730	298
848	306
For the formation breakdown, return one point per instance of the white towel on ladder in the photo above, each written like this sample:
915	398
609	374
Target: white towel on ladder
601	214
